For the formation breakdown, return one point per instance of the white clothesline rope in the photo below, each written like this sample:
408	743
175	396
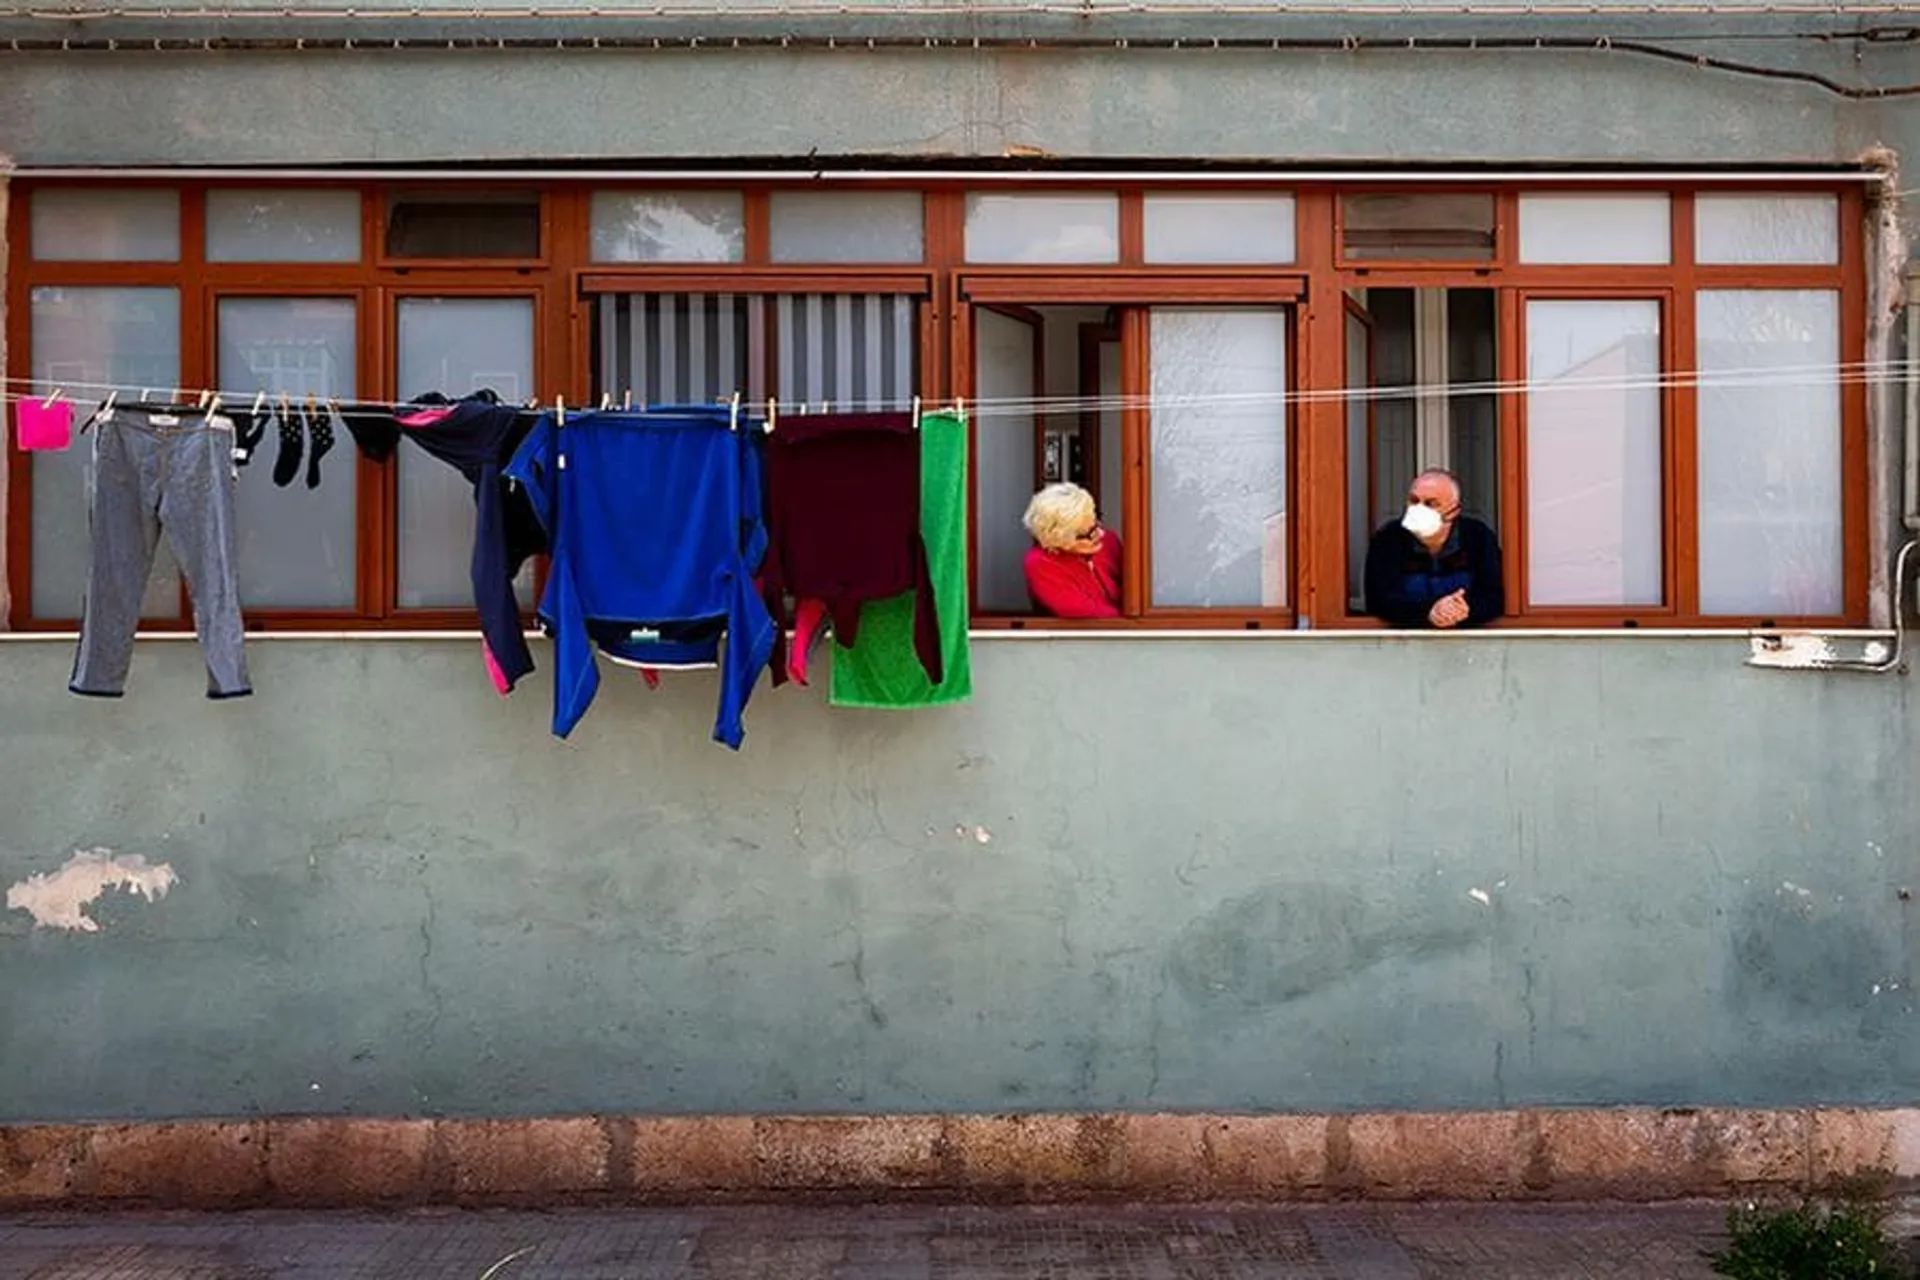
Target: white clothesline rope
1886	373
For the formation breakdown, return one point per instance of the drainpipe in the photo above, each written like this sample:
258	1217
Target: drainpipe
1910	456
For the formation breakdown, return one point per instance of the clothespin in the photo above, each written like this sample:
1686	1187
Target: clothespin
313	409
213	405
259	402
959	407
826	406
560	410
770	415
916	413
112	395
54	395
144	392
626	400
733	413
206	397
606	401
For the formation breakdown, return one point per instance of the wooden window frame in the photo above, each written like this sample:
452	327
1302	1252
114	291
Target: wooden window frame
1134	291
562	276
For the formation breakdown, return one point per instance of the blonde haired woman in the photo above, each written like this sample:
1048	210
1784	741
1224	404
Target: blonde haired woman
1073	568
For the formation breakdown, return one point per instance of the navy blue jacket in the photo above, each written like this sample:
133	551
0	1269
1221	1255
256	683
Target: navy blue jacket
1404	578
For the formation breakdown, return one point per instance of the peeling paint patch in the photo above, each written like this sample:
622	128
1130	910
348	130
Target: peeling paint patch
1480	896
58	899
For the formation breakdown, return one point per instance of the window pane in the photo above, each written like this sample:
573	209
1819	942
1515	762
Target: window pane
453	346
1446	227
668	226
72	224
1596	229
679	348
283	226
102	337
884	226
296	545
1007	355
1792	229
853	350
1204	229
1063	228
1593	453
463	226
1219	385
1769	452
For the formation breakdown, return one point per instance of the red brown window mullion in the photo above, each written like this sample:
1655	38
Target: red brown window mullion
1855	462
1683	404
18	514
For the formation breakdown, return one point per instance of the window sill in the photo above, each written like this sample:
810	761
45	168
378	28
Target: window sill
1102	634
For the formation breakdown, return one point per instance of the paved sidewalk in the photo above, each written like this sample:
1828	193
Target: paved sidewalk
1295	1242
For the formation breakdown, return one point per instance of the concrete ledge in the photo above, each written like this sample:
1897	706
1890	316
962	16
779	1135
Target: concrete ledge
1617	1153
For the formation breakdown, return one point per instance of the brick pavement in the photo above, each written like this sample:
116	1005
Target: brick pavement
894	1242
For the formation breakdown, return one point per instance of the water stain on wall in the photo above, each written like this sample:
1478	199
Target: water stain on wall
1283	942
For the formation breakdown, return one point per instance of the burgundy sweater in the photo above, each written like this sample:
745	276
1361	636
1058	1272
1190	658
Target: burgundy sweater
843	523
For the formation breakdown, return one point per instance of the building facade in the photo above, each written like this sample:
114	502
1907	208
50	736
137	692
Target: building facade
1635	274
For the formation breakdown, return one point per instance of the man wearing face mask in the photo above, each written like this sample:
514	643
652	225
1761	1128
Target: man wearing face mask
1434	567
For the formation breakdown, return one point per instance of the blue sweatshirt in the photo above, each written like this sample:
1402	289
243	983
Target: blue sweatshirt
655	523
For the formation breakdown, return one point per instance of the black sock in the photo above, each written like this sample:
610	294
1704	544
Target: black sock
292	438
248	429
319	443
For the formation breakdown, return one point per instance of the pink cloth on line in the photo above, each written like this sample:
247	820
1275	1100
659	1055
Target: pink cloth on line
43	426
809	624
424	418
501	685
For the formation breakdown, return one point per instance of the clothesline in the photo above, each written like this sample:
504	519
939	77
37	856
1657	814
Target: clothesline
1892	373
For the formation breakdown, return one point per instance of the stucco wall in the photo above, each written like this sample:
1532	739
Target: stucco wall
1294	873
320	107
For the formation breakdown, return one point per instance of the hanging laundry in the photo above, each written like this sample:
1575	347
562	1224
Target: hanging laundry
160	469
293	435
655	525
882	668
40	425
843	515
476	435
320	432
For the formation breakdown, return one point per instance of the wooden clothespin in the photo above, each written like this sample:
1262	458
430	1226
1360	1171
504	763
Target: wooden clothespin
212	406
771	415
606	401
560	410
733	413
959	407
259	402
55	394
206	398
144	393
916	413
626	399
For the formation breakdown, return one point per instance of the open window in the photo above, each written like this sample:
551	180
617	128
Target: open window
1170	400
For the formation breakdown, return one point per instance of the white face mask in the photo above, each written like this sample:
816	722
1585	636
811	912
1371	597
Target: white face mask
1421	522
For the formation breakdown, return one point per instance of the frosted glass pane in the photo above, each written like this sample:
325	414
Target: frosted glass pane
1593	453
1204	229
1219	431
1003	448
72	224
1791	229
84	340
833	226
453	346
1596	229
1769	452
283	226
668	226
1063	228
296	545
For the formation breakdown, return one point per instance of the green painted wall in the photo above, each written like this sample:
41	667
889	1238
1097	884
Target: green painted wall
1289	872
1295	872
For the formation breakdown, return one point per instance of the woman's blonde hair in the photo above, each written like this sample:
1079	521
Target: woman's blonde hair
1058	514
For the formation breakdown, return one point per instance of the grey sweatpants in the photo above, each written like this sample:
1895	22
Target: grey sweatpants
154	471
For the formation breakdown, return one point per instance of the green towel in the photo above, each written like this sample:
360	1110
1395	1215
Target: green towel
882	670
